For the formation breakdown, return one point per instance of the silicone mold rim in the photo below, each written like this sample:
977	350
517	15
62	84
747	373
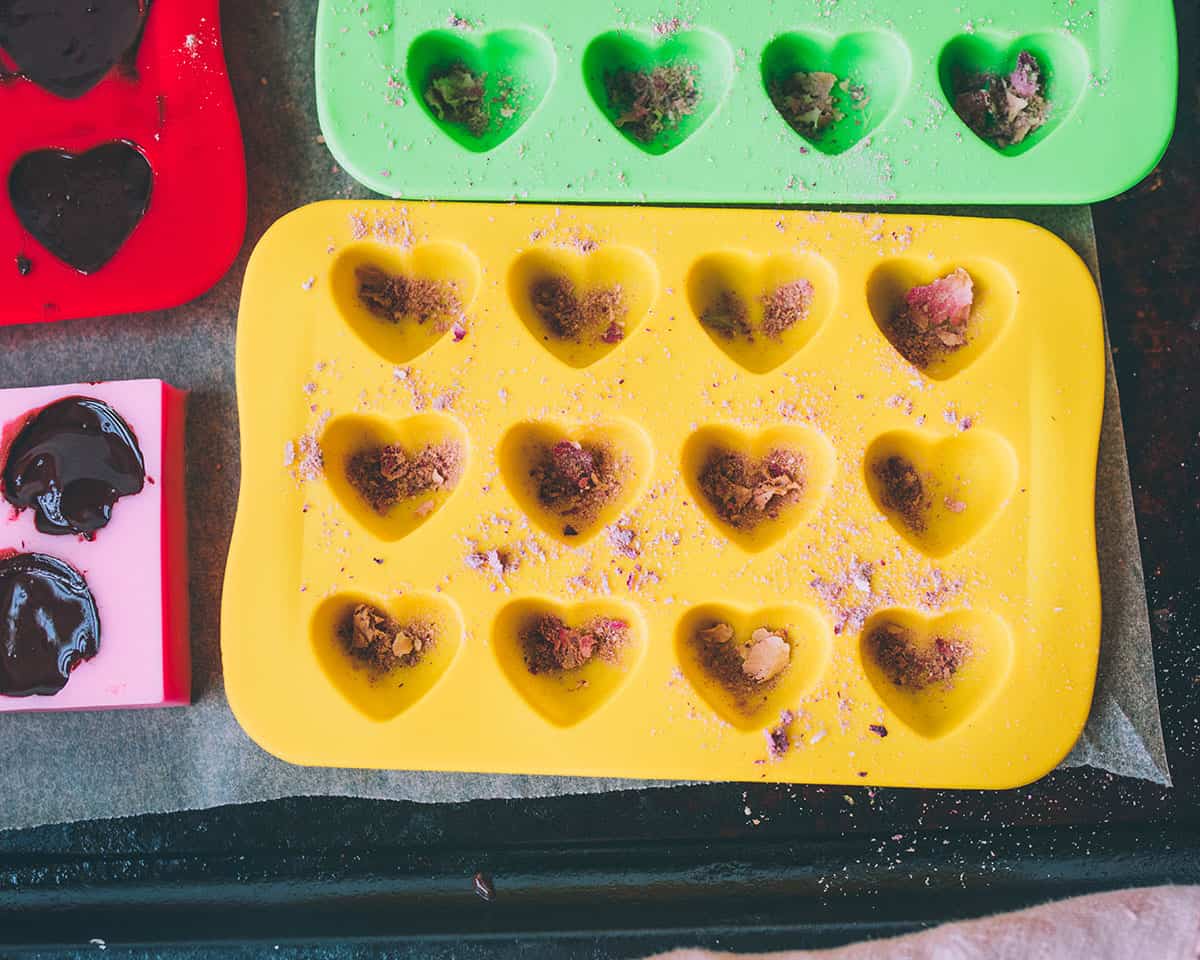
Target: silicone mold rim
1076	459
180	113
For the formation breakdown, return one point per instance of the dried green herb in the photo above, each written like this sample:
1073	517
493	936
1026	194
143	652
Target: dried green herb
650	102
1004	108
456	95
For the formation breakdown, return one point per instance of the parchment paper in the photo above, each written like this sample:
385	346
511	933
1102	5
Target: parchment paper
61	767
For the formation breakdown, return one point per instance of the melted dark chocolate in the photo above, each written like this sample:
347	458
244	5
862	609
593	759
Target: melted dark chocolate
48	624
71	462
69	46
82	207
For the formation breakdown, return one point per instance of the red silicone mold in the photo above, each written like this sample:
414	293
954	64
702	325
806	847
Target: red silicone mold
172	100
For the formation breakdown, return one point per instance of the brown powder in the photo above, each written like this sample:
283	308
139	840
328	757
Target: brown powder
380	643
576	481
749	668
745	492
393	297
903	491
786	306
550	646
891	646
385	475
599	313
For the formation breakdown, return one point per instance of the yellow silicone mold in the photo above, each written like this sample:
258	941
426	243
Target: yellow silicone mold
1003	434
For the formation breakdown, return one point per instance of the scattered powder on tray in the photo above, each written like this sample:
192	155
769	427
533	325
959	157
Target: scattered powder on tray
576	481
392	297
381	643
650	102
1003	108
744	492
550	646
806	101
386	475
600	312
747	669
903	491
934	319
892	647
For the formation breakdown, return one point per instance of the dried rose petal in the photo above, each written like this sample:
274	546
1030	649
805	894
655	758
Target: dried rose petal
946	301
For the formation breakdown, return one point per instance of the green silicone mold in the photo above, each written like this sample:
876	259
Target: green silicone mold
556	129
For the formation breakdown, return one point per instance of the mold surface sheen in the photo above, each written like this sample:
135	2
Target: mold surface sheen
349	434
569	697
385	696
609	267
939	708
808	636
877	61
518	66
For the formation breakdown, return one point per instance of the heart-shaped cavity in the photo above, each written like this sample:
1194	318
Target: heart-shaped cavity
658	91
917	332
761	309
480	88
400	302
758	487
69	46
385	655
940	493
833	92
935	673
82	207
750	665
601	641
572	481
582	306
1061	65
393	476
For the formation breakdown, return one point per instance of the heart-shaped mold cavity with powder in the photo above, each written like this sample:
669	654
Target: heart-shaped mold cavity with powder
356	658
935	673
726	468
82	207
1062	59
657	92
872	70
480	88
710	641
761	308
566	697
400	302
994	304
582	306
572	481
393	476
69	46
940	493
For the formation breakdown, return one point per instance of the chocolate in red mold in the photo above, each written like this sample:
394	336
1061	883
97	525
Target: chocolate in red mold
82	207
71	461
49	625
68	46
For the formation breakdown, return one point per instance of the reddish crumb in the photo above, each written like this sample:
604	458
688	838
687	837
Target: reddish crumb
744	492
892	647
786	306
551	646
878	729
779	739
386	475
